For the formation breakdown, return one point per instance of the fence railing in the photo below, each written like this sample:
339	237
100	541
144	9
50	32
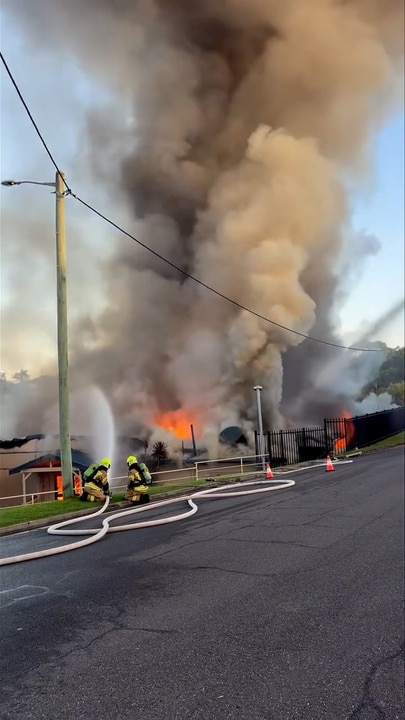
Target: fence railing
290	447
283	447
202	470
161	477
29	498
230	467
368	429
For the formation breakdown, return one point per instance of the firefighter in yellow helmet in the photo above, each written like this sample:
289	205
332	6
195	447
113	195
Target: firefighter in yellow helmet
96	485
139	478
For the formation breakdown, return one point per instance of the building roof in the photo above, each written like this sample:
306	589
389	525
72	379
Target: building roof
80	461
233	435
20	441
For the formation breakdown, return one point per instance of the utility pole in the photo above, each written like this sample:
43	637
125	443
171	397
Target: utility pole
258	389
62	322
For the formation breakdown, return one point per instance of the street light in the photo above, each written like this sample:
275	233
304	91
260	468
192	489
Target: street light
10	183
258	389
63	359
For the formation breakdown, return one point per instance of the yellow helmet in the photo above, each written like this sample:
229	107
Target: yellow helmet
131	460
105	462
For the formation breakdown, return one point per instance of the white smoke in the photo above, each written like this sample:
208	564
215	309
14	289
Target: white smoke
374	403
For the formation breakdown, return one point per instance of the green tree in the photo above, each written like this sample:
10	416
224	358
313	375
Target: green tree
392	369
397	392
391	372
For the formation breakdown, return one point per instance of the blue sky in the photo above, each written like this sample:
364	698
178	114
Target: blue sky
62	120
382	214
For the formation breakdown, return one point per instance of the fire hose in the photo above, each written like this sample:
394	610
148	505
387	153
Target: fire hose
98	534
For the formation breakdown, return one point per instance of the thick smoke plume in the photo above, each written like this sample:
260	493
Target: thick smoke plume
248	117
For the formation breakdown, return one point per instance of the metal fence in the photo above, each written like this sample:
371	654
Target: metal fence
117	484
231	467
362	430
335	437
369	429
30	498
286	447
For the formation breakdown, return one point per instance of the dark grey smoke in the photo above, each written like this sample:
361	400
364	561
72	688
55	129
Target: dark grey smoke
262	216
335	383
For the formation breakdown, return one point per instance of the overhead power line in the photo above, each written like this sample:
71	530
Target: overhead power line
158	255
28	111
213	290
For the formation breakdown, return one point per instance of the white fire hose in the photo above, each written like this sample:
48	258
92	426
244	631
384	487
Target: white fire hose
98	534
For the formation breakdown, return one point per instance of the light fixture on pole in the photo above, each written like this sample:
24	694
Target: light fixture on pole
62	325
258	389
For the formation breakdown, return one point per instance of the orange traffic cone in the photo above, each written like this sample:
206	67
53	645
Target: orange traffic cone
329	464
269	473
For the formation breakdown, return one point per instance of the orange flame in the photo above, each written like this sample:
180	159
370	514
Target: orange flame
347	428
178	422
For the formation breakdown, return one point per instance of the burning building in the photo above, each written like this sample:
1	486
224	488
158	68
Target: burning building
231	133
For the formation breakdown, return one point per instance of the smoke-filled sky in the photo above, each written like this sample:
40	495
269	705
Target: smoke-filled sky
235	138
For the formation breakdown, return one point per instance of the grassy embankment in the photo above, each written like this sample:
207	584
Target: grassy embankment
398	439
26	513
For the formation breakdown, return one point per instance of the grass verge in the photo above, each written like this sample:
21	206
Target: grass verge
38	511
398	439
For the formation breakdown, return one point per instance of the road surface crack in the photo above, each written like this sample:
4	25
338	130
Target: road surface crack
275	542
157	631
367	701
233	572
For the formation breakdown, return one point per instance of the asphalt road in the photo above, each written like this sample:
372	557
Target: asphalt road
286	605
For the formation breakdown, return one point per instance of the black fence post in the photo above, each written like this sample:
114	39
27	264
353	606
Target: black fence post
325	425
282	447
269	447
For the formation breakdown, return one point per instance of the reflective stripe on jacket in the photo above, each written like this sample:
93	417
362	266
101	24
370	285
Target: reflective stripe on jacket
101	480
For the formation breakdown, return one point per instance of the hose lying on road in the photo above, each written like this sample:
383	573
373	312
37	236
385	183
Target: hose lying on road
98	534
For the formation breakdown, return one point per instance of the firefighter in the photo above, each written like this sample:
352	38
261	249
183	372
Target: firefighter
96	485
138	480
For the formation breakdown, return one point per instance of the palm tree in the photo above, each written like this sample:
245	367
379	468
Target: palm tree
160	453
21	375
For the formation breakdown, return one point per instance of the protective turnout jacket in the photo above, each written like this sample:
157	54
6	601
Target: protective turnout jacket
101	480
136	476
